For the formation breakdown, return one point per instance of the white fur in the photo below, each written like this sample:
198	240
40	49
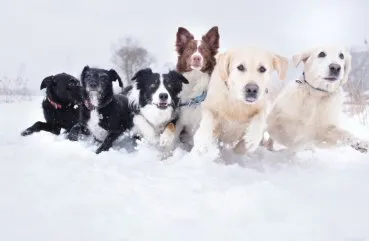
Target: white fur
93	123
161	90
190	116
226	116
197	54
151	120
303	117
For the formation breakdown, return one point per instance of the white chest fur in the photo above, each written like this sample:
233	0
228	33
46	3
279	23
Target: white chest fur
93	125
156	117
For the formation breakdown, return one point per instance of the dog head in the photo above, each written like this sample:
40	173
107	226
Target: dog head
197	54
63	88
99	82
246	72
160	90
325	67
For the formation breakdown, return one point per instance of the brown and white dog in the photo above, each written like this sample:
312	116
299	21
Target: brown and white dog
196	61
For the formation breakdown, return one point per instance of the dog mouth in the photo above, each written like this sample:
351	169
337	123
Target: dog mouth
162	105
331	79
251	99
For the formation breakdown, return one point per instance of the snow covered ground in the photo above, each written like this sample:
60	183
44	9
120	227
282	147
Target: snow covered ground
52	189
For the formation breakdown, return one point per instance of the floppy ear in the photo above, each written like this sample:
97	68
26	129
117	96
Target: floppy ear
178	76
212	38
86	68
142	72
115	76
280	64
347	67
223	62
183	37
45	82
302	57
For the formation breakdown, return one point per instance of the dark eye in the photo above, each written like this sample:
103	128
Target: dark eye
241	67
321	55
262	69
341	56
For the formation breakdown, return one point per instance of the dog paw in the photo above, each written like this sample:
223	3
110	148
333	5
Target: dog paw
201	144
361	146
26	132
166	139
252	139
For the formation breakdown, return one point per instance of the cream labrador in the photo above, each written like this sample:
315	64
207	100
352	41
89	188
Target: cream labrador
306	113
234	111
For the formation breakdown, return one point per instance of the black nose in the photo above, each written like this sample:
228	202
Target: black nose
93	84
334	69
163	96
251	89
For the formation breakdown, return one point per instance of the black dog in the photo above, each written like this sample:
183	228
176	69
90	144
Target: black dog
61	106
103	114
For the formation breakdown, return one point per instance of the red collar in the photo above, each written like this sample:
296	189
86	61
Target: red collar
53	103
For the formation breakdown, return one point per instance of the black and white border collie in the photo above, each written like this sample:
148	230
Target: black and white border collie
196	61
154	99
105	115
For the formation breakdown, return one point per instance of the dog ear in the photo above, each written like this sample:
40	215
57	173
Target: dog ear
302	57
142	72
183	37
347	67
223	62
85	69
280	64
178	76
212	38
46	81
115	76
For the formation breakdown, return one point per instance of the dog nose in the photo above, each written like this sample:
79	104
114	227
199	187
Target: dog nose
196	59
251	89
93	84
334	69
163	96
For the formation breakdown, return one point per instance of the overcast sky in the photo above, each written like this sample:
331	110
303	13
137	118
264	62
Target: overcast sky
42	37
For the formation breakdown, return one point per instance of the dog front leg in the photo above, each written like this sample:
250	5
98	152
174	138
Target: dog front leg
333	135
42	126
108	142
254	133
204	136
145	129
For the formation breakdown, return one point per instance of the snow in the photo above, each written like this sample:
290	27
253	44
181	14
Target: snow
53	189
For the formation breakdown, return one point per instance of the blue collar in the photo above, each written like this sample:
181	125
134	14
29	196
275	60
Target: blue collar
195	101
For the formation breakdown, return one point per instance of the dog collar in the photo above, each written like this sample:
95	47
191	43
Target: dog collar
90	106
195	101
305	81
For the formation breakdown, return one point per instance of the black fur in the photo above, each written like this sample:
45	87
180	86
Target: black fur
148	82
61	105
116	116
144	94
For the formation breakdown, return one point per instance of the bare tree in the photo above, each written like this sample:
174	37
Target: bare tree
130	56
357	87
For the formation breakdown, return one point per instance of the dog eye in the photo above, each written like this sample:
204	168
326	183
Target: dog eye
341	56
321	55
262	69
241	67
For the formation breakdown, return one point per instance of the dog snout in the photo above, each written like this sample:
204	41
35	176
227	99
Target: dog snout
334	69
163	96
93	84
196	59
251	90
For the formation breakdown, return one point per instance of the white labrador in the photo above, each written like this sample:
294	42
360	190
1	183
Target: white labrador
306	113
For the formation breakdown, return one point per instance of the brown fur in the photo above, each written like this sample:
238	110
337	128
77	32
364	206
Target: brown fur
186	45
